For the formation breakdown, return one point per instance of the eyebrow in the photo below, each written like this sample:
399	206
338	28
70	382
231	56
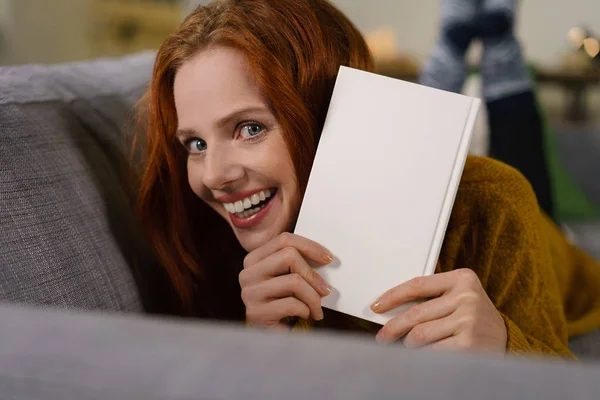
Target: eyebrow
238	114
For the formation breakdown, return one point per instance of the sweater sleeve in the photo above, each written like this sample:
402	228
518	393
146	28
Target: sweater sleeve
519	343
513	262
297	325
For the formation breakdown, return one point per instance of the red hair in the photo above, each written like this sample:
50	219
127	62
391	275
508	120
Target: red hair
294	49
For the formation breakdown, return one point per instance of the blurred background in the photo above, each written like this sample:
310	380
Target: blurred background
557	35
402	32
560	40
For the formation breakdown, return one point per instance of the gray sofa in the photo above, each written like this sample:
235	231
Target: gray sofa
59	356
67	237
69	242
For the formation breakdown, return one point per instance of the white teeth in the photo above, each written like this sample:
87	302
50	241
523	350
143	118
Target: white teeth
249	213
244	207
239	206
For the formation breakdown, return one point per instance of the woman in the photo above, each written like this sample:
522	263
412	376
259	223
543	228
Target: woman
237	102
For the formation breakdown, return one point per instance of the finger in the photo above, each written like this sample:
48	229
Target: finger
271	313
306	247
286	261
449	343
291	285
421	287
431	332
294	285
402	324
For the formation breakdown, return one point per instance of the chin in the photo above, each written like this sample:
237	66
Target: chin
251	241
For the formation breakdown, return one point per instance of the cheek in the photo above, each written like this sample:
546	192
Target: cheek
276	159
194	174
284	172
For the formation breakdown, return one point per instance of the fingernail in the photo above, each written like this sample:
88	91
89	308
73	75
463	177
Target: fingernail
328	258
320	316
326	289
380	338
376	306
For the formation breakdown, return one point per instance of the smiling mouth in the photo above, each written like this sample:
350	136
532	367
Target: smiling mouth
250	205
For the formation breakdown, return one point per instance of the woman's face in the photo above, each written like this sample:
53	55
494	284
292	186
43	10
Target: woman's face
238	161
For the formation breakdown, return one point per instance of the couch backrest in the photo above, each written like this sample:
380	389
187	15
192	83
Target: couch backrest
68	236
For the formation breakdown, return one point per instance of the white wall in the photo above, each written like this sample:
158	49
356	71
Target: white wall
49	31
5	20
542	24
542	27
4	10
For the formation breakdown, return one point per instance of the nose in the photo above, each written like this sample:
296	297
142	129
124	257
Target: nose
222	167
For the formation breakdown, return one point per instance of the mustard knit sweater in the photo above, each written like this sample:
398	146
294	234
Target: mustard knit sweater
546	289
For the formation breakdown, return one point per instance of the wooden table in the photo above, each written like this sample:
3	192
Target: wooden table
576	85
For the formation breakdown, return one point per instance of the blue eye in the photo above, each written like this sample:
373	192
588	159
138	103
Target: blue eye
195	145
249	131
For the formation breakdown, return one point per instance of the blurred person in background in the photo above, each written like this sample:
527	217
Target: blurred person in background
515	123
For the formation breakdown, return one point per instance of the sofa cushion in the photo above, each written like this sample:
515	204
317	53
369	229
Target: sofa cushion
68	236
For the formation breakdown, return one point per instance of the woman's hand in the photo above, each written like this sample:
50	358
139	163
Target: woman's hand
459	315
278	283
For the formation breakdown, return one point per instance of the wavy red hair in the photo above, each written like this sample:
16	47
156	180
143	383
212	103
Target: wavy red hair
294	49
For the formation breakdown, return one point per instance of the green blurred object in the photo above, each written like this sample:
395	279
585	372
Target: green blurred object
571	203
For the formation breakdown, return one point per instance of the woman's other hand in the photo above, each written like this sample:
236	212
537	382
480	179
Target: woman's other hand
458	314
277	282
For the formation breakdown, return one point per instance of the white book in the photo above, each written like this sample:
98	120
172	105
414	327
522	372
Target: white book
383	184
